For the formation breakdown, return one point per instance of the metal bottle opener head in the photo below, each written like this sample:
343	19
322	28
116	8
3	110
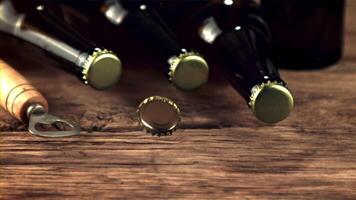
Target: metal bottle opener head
37	115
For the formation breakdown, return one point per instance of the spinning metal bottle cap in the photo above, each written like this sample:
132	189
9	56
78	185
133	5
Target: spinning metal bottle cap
102	69
158	115
271	102
188	71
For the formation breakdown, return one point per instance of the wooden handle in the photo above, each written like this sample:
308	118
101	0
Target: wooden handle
16	93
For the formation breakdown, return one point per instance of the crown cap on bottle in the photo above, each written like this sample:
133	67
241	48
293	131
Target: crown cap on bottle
188	71
271	102
158	115
102	69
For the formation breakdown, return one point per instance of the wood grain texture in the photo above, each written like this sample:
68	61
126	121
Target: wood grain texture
217	163
221	150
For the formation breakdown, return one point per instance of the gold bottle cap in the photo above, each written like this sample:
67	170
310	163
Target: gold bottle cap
188	71
102	69
271	102
158	115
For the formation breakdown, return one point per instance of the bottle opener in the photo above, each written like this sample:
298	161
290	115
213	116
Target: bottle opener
26	104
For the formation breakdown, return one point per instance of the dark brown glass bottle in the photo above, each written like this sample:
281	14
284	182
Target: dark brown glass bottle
96	66
236	32
187	69
305	34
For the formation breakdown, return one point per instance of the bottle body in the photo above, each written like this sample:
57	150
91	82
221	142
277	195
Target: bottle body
305	35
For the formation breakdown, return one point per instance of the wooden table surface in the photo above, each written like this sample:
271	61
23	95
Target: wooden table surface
220	150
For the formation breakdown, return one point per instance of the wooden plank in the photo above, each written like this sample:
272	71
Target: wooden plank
258	163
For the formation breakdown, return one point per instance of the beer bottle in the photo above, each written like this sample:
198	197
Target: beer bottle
186	68
239	36
96	66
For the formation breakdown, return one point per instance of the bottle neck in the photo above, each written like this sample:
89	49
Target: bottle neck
241	43
143	19
18	25
50	44
47	13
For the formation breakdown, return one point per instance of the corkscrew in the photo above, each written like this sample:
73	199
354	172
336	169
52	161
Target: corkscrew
27	104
